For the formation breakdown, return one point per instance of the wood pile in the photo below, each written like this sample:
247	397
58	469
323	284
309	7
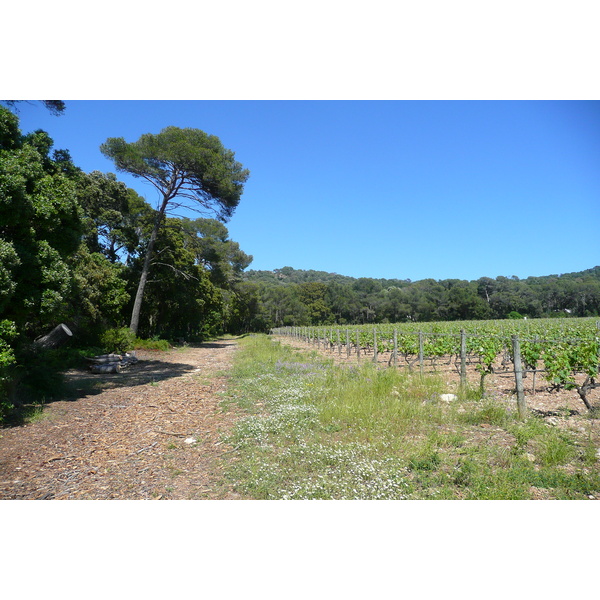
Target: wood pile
112	363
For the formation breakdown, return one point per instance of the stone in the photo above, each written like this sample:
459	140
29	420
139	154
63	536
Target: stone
448	397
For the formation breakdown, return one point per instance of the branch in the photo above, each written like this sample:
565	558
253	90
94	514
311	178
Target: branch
186	276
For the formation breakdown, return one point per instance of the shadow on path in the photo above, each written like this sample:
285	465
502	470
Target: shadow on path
83	383
80	383
153	366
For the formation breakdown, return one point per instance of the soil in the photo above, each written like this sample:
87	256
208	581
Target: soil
153	431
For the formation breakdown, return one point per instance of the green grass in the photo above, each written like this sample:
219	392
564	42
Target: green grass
151	344
314	430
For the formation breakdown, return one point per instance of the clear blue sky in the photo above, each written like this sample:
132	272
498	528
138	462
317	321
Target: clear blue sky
385	189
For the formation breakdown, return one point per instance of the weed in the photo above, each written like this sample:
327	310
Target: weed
491	413
555	449
429	462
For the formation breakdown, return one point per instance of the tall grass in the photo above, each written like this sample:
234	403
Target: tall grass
320	431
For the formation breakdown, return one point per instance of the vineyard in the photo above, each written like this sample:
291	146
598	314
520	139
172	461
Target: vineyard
553	354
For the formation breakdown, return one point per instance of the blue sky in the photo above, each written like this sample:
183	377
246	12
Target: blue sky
384	189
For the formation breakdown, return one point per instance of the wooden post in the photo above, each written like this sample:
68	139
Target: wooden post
535	339
421	352
395	354
339	344
357	344
347	343
463	358
375	345
518	376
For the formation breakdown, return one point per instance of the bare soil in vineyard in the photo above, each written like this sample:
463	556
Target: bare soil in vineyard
563	408
151	432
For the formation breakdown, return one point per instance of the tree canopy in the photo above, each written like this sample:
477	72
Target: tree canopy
187	167
187	164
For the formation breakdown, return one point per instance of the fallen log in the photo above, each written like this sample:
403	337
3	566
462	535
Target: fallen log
57	337
112	363
106	358
106	368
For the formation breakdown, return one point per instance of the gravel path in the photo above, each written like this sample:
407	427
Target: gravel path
151	432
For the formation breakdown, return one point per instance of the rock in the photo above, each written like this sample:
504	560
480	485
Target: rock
448	397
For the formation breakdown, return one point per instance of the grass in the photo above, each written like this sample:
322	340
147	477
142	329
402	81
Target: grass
314	430
151	344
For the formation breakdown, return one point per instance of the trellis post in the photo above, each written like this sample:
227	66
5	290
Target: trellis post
518	376
375	345
463	358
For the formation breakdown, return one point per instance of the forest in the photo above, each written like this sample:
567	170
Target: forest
85	250
298	298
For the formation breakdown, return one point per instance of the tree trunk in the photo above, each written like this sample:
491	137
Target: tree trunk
58	336
137	305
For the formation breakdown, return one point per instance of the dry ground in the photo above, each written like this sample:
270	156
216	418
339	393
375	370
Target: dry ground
128	435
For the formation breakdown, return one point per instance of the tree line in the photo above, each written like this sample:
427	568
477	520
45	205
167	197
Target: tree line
295	297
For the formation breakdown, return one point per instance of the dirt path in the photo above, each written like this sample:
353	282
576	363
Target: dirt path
128	435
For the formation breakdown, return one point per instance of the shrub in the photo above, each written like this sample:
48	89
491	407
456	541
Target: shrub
7	361
118	340
153	344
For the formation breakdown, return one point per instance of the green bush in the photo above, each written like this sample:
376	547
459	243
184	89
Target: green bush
118	340
153	344
7	361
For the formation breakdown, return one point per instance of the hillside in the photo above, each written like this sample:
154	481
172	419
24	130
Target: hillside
290	296
291	275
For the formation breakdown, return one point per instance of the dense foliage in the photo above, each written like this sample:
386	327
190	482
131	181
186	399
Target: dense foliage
73	246
292	297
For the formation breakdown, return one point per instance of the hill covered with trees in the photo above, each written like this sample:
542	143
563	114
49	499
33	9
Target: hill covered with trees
295	297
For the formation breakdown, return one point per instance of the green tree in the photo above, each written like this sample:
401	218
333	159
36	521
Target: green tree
40	228
180	299
209	241
114	215
313	296
186	166
464	302
98	294
245	310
